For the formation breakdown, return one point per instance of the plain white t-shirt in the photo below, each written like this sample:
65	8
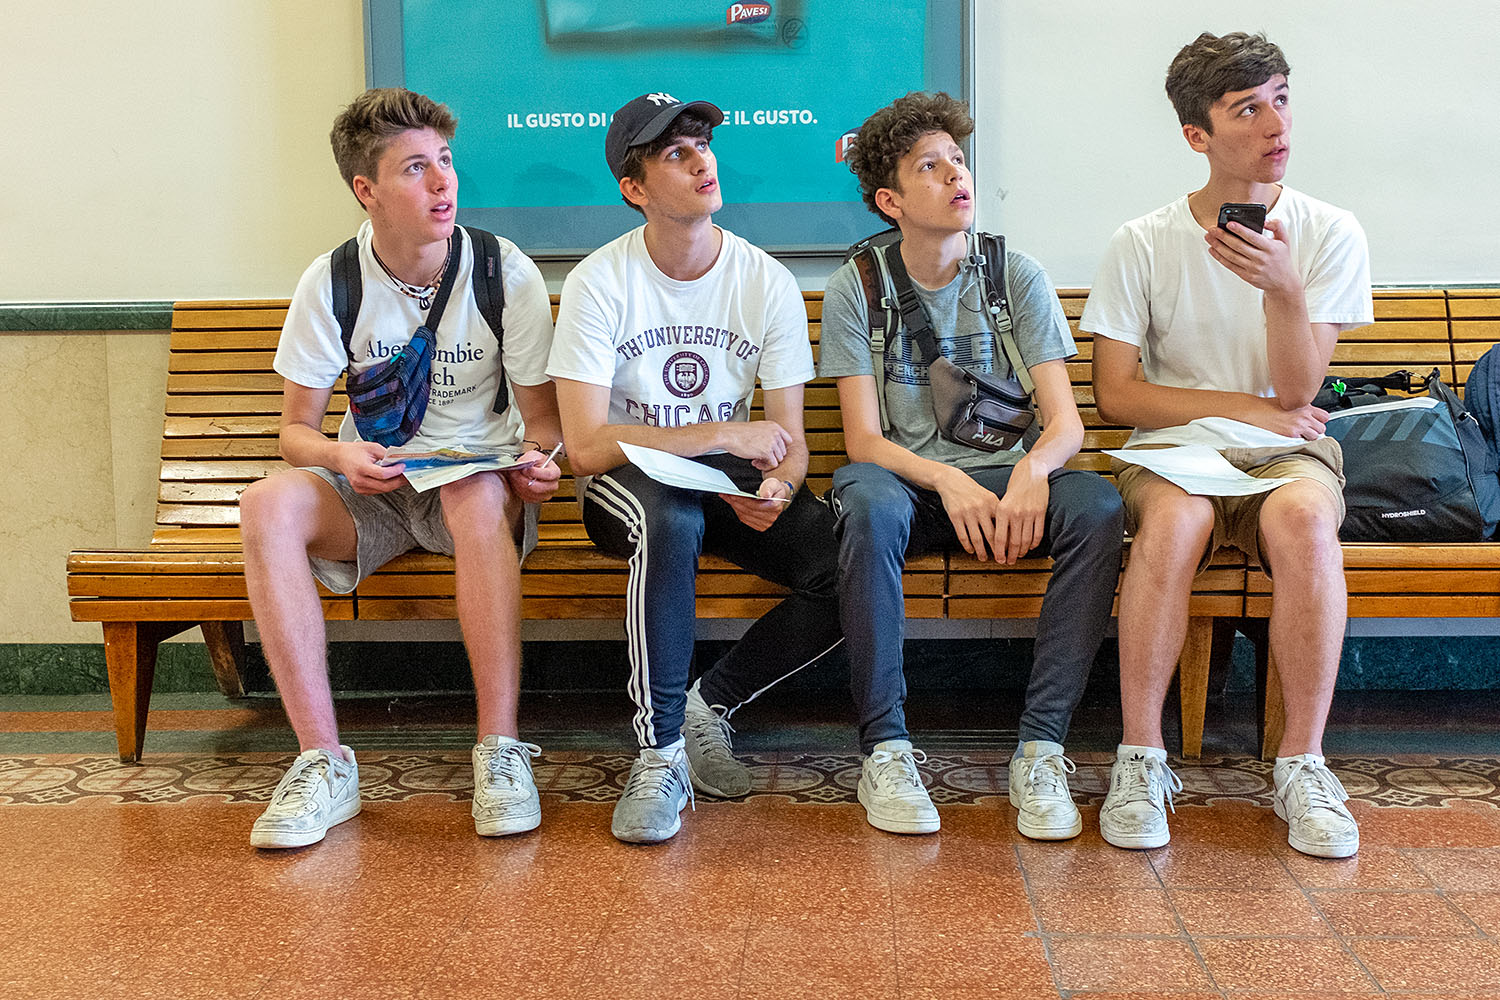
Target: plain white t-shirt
465	373
674	352
1200	326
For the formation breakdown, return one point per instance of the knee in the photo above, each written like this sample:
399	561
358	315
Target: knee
870	504
276	508
1091	507
476	507
1174	528
1301	519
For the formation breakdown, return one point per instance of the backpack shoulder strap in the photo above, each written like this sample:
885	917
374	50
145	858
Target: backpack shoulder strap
879	315
489	297
989	254
348	288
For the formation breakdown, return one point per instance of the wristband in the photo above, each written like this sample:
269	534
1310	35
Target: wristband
789	487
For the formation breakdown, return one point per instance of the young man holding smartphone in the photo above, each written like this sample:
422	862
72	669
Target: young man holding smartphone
1222	336
910	489
662	336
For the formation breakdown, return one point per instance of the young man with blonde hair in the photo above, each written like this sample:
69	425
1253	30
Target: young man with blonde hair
340	514
1222	336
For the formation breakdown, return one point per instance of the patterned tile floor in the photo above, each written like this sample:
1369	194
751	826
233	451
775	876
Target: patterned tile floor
136	881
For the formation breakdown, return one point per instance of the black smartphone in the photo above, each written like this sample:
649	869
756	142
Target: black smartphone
1251	216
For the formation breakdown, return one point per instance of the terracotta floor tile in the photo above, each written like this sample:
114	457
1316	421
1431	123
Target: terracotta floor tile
1482	907
1249	912
1290	964
1372	913
1226	824
1462	869
1190	866
1441	965
955	961
1104	911
779	959
1123	964
980	902
1459	824
1372	868
1085	866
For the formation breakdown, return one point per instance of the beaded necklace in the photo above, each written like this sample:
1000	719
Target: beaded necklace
422	293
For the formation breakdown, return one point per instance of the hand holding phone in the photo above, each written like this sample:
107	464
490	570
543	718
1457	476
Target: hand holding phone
1251	215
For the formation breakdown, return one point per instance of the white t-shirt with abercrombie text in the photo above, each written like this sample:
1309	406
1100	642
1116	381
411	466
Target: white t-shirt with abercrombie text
465	367
674	352
1200	326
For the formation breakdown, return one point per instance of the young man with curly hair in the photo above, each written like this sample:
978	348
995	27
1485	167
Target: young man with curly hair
908	490
339	514
1222	336
662	337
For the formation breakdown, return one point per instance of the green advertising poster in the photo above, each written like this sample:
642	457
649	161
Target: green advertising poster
534	82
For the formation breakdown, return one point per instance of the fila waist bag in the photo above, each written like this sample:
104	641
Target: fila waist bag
978	409
389	399
1418	468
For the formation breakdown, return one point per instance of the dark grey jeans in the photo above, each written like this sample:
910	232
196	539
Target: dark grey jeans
883	520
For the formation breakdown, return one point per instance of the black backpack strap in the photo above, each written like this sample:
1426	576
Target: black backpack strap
489	298
879	315
348	288
913	316
989	255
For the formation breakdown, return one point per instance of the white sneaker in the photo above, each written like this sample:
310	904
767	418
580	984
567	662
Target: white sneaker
1039	792
1311	800
891	790
650	808
319	790
1141	785
505	798
711	764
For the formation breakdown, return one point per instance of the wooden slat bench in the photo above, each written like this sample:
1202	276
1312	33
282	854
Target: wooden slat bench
1418	330
222	411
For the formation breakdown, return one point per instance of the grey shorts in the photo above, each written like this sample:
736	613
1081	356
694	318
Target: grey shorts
388	524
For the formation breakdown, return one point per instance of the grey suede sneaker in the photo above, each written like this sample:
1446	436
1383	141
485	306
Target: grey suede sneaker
319	790
650	808
711	764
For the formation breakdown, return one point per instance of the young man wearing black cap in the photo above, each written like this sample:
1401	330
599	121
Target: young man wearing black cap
661	338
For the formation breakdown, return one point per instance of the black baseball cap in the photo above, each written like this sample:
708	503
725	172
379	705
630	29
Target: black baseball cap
644	119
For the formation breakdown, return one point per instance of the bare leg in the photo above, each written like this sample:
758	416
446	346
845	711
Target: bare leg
1175	529
284	519
1310	603
481	514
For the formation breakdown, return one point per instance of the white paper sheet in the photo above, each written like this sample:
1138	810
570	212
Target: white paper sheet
1198	469
427	470
684	473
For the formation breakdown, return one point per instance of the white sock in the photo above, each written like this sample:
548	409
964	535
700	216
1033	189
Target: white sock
1125	750
672	747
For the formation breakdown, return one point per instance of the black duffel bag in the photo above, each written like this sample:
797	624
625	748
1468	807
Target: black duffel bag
1418	468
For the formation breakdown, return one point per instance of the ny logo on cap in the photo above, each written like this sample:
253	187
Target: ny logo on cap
662	98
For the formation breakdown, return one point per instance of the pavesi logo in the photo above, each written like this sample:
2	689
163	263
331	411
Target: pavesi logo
841	147
746	13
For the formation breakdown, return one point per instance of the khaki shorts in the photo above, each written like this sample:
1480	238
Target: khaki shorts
388	524
1237	519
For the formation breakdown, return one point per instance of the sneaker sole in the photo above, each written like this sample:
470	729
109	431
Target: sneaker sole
1315	850
1035	831
895	825
276	839
647	836
508	825
1135	841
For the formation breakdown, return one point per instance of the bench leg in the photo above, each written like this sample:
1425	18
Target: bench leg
1192	683
1272	710
130	655
226	651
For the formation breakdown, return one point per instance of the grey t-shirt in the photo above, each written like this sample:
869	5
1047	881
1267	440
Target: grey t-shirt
964	336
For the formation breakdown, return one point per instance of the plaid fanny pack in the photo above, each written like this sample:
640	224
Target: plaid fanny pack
388	400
